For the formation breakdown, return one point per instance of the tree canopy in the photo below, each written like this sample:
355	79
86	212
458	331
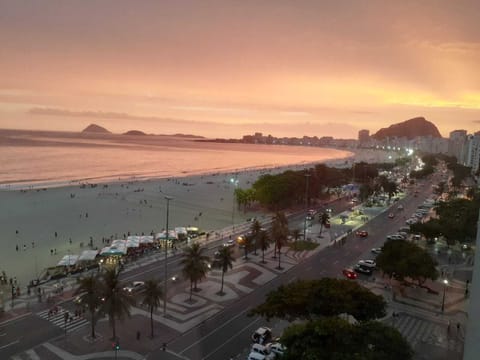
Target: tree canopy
335	338
402	259
310	299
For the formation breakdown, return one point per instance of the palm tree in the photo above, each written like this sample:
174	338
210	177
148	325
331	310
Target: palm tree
264	241
255	230
89	290
296	234
224	260
152	296
195	265
279	233
116	302
324	218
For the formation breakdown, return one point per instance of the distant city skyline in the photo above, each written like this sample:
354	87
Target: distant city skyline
224	68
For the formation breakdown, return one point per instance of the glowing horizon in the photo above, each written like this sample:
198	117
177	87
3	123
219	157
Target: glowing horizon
228	68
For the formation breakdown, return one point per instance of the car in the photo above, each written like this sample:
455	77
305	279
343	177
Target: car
400	207
395	237
262	335
391	215
361	233
134	287
229	243
263	350
276	348
363	269
349	273
411	221
256	356
368	263
376	250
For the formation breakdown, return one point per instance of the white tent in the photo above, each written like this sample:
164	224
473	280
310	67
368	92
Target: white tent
68	260
88	255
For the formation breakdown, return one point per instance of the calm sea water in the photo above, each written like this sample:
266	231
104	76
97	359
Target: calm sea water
49	159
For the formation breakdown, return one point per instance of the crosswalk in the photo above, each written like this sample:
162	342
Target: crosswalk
417	330
58	318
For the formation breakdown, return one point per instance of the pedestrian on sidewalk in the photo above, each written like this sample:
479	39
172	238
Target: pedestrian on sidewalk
138	335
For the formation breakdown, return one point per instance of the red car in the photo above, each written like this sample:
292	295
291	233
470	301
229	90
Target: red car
349	274
361	233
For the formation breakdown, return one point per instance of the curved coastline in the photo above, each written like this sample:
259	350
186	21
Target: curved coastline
79	214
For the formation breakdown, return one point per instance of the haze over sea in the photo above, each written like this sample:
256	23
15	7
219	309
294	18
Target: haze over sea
54	159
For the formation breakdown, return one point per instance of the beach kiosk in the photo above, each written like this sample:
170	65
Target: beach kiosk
88	259
112	255
169	241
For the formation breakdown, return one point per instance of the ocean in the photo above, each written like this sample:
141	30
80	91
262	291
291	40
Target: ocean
46	159
56	212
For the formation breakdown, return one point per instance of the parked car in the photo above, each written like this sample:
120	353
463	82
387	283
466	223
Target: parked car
376	250
395	237
369	263
229	243
263	350
363	269
262	335
391	215
349	273
276	348
256	356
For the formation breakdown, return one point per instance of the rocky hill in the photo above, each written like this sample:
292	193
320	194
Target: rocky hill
409	129
94	128
134	132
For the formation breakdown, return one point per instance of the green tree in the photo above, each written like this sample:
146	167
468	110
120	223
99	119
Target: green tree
224	260
296	233
279	233
324	219
311	299
152	296
335	338
195	265
116	302
255	231
264	242
90	296
402	259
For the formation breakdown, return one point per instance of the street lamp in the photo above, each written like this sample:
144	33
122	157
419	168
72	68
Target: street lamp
445	283
234	181
307	175
168	198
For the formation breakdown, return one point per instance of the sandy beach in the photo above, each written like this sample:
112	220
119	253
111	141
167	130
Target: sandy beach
64	220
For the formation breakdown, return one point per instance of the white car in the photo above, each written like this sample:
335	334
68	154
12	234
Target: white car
229	243
134	287
262	335
368	263
262	350
276	348
376	250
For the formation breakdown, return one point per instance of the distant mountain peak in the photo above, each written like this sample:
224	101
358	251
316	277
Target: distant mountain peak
94	128
134	132
409	129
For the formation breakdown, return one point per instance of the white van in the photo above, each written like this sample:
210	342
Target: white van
262	350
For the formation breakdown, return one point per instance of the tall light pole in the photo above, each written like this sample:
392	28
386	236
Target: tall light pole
165	280
445	283
234	181
307	175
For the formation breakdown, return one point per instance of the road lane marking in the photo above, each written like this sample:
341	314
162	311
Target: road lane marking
232	338
213	331
12	343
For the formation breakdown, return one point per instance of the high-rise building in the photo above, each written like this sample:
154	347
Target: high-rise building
363	136
456	146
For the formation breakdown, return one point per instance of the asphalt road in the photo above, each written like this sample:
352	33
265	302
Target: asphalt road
228	333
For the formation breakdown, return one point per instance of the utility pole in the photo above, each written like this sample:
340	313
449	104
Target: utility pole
165	280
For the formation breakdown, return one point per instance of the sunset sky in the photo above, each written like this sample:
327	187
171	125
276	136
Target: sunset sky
231	67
